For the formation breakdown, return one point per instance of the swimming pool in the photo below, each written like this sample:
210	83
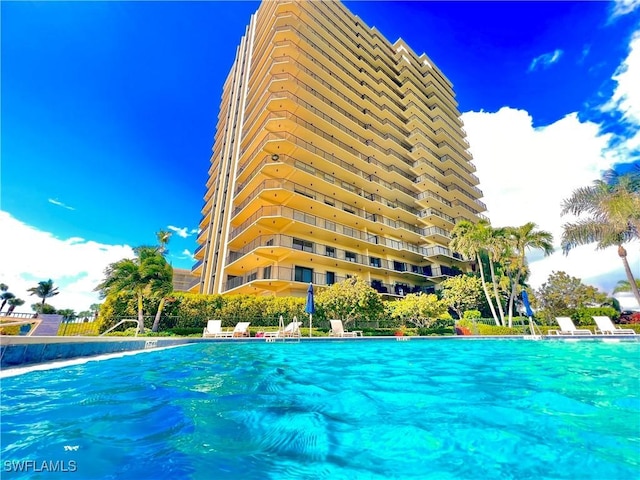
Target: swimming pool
376	410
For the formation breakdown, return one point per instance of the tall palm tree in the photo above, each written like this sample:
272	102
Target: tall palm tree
140	275
497	248
44	290
471	239
13	303
521	239
5	296
165	286
163	237
612	218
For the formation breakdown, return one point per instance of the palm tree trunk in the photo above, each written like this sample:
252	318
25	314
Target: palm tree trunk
140	315
632	282
495	291
486	290
156	321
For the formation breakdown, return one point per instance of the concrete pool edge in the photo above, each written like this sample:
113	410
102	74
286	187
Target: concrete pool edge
16	352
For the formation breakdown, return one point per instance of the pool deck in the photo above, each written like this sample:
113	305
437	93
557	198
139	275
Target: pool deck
19	351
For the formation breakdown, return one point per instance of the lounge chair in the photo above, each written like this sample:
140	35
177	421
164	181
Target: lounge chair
337	330
241	330
568	328
606	327
291	330
213	329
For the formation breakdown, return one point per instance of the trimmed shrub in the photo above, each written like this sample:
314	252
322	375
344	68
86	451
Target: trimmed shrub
582	317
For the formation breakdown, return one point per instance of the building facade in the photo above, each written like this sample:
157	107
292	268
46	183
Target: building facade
337	153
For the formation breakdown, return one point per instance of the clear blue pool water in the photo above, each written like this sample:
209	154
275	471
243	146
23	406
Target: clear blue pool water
353	410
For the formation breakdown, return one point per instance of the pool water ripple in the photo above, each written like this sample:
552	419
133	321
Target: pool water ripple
370	410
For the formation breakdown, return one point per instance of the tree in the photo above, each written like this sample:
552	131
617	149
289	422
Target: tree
139	276
162	286
43	308
420	309
94	308
5	296
68	314
625	286
349	300
461	293
612	218
44	290
13	303
471	239
562	295
163	237
521	239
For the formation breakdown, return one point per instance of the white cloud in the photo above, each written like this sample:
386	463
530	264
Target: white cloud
181	232
75	265
59	204
623	7
187	254
626	95
545	60
526	172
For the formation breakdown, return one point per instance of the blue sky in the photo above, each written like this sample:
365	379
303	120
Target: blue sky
109	111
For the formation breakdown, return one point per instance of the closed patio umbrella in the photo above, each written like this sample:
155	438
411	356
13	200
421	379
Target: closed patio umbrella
310	306
528	311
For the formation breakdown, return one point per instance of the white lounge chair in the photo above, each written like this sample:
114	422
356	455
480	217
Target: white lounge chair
291	330
241	330
337	330
606	327
213	329
567	327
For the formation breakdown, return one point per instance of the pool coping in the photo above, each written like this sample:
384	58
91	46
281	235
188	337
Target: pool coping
19	352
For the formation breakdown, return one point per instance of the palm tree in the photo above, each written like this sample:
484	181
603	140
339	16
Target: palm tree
140	275
44	290
94	308
5	296
13	303
497	249
471	239
163	237
625	286
521	239
162	287
613	218
165	286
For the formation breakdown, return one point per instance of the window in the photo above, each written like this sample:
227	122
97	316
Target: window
374	262
399	266
330	252
266	272
303	274
330	278
350	256
303	245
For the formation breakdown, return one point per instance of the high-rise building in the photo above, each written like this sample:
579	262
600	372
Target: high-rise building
337	153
